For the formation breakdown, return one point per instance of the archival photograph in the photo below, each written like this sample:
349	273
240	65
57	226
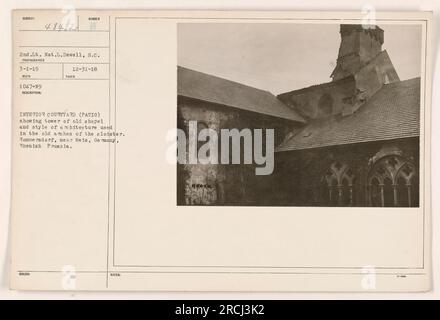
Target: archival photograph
288	114
221	151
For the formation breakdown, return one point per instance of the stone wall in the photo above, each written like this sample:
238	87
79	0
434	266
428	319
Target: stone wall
298	175
211	184
311	102
344	96
359	45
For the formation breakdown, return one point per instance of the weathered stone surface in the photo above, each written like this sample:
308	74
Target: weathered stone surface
359	45
217	184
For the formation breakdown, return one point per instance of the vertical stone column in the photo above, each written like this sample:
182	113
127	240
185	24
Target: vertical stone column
395	194
382	196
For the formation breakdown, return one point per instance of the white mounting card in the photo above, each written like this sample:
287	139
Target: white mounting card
221	151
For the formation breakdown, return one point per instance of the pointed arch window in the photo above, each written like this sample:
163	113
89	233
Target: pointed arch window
337	185
393	182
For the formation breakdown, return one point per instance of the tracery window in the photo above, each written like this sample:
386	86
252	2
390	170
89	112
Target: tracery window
337	185
393	182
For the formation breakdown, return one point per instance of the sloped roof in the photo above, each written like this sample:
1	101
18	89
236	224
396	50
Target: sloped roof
392	113
202	86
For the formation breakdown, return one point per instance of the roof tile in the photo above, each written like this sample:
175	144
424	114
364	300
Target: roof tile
202	86
392	113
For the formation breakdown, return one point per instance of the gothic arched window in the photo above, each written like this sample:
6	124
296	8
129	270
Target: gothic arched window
393	182
337	186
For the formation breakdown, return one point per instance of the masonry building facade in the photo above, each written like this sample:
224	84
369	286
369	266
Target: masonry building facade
353	141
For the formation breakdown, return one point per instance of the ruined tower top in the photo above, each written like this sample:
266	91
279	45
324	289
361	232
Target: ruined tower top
359	45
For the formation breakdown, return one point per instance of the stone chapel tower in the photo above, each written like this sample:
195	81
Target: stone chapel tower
359	45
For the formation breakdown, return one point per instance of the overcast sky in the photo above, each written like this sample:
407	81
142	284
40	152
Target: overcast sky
283	57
